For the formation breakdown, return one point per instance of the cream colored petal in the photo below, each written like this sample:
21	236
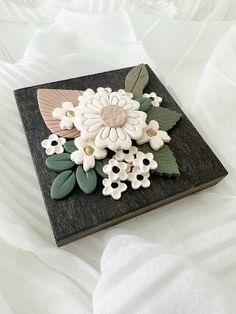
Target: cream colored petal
50	150
156	142
153	124
146	183
129	158
107	190
90	115
122	165
89	162
122	102
123	175
58	113
114	100
121	134
104	100
77	157
123	187
58	149
113	176
66	123
66	106
164	136
153	164
135	184
106	182
100	153
53	137
144	138
113	135
61	140
46	143
106	169
80	143
116	194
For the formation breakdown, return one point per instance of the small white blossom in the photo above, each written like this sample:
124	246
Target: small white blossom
116	170
113	188
145	162
66	114
126	155
153	135
54	144
138	179
87	153
156	100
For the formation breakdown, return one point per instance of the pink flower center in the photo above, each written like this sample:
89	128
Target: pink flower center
113	116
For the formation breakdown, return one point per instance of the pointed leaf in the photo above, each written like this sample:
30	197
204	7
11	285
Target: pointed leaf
70	146
145	103
59	162
167	164
99	167
136	80
165	117
87	180
63	184
49	99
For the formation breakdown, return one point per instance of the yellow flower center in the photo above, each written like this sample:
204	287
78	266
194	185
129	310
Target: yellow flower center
151	132
70	114
89	150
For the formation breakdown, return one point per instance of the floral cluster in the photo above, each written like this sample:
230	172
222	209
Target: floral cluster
109	123
113	134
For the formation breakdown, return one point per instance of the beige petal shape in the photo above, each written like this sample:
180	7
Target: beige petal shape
49	99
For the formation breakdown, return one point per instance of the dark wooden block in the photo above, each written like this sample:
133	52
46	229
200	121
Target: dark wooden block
79	215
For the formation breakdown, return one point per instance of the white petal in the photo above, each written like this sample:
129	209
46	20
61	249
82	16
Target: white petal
66	123
123	175
80	143
50	150
156	142
154	124
106	169
114	100
67	106
146	183
113	135
116	194
89	162
58	113
77	157
53	137
61	140
59	149
46	143
135	184
100	153
164	136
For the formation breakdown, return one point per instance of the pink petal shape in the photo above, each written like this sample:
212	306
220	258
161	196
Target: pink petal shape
48	100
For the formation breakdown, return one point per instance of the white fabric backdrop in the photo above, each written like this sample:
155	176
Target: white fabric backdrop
180	258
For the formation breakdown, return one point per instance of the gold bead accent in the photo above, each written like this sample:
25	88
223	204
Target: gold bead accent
89	150
151	132
70	114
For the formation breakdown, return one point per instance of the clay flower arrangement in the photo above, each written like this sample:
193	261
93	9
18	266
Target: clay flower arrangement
119	135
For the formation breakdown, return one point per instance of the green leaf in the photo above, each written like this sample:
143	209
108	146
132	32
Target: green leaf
165	159
99	167
165	117
145	103
70	146
63	184
59	162
136	80
87	180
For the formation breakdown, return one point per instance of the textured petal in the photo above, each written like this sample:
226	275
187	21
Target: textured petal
46	143
50	150
58	113
113	135
100	153
58	149
66	123
80	143
77	157
156	142
89	162
67	106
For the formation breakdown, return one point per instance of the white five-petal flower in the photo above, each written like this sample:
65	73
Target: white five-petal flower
111	118
138	179
145	162
113	188
156	100
87	153
54	144
153	135
126	155
66	114
116	170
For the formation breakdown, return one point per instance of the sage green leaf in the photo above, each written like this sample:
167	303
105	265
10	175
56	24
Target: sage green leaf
136	80
145	103
99	167
87	180
70	146
63	184
59	162
165	159
165	117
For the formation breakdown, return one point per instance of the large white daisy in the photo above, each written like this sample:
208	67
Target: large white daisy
111	118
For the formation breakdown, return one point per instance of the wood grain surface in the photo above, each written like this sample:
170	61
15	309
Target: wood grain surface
79	214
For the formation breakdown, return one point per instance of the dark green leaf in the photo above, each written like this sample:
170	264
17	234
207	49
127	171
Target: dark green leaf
136	80
145	103
59	162
165	117
63	184
167	164
70	146
87	180
99	167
